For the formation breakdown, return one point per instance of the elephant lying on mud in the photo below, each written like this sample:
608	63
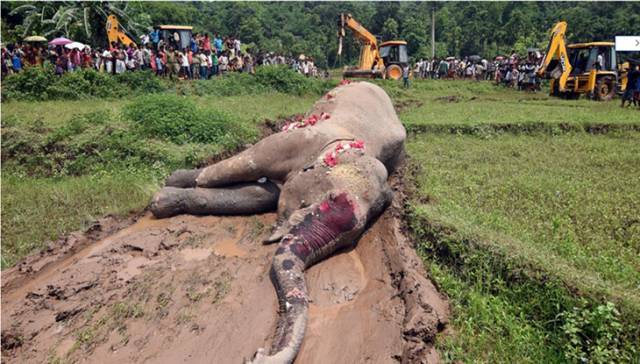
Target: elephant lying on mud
327	177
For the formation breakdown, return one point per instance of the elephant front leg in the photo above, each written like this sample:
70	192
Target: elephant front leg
273	157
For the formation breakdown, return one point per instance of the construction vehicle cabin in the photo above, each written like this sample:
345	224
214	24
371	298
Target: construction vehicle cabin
385	60
178	36
573	69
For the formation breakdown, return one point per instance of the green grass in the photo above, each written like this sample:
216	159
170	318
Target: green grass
495	212
440	103
247	108
35	210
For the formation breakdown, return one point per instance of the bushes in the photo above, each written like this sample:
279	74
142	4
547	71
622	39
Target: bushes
143	82
232	84
31	84
284	79
180	120
161	132
267	78
41	83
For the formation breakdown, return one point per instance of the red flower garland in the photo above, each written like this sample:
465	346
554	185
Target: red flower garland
331	157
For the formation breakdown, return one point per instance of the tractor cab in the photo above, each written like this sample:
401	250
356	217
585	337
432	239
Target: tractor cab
177	36
588	76
584	56
395	57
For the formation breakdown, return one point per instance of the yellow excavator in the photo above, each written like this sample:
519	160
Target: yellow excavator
385	60
574	69
115	33
178	36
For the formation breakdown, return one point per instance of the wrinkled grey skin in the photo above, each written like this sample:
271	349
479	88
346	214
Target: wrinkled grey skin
294	177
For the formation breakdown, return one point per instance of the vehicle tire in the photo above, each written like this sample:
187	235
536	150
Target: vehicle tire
605	88
394	72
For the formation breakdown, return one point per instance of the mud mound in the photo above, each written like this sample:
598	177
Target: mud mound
196	289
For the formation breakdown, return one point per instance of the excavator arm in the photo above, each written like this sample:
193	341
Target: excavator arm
369	56
557	54
115	32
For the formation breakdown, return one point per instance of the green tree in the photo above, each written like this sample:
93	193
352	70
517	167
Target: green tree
390	29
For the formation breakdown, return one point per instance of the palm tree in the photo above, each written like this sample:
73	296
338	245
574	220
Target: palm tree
81	20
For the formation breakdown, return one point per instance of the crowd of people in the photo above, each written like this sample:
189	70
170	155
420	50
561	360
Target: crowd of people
512	71
204	57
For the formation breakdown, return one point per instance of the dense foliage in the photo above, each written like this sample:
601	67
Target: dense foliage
461	28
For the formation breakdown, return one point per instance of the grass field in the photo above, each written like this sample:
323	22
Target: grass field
524	207
436	105
560	207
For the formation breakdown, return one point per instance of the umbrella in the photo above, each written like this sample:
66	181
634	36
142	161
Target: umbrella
450	58
60	41
73	45
35	38
499	58
475	58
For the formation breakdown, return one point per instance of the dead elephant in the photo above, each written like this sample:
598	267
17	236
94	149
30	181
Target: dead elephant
327	177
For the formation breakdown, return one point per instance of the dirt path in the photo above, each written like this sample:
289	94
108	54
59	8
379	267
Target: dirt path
197	289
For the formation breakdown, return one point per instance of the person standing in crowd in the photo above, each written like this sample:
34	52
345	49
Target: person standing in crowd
633	81
87	61
223	63
204	65
61	63
146	57
153	66
7	64
206	43
161	62
195	65
215	63
16	62
155	38
173	67
184	64
121	65
193	43
107	60
405	76
236	45
217	43
144	40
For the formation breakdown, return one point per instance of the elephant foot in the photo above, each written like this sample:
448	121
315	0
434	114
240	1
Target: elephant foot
168	202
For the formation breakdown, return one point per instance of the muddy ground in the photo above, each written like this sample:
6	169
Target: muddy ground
197	289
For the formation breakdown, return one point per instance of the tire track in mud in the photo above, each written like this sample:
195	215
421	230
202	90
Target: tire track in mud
197	289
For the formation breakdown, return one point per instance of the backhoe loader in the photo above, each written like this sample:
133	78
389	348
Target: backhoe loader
376	61
574	69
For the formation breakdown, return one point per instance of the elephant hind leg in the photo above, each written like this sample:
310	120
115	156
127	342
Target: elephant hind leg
246	198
